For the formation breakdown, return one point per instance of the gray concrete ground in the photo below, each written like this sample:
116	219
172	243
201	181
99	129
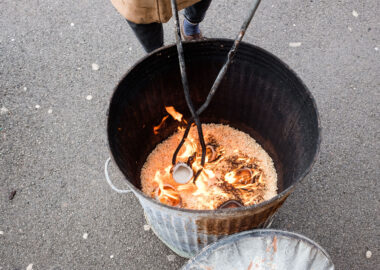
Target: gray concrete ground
53	140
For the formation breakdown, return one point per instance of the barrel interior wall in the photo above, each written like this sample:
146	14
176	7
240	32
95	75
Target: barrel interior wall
259	96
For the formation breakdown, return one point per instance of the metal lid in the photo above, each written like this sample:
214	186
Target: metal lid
262	249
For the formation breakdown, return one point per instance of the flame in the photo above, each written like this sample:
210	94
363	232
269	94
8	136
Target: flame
243	176
190	147
173	113
221	178
167	194
157	128
176	115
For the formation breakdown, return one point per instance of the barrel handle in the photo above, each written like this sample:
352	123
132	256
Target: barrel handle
109	180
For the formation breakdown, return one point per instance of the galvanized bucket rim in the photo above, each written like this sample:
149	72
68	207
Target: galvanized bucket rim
286	191
260	232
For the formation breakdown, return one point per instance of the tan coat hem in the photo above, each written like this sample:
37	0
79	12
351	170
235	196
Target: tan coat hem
148	11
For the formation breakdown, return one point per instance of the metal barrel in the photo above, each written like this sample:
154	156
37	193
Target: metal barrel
262	249
186	232
260	95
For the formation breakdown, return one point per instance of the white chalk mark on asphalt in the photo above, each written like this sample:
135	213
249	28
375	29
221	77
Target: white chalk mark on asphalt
111	256
294	44
89	97
130	48
29	267
171	258
3	110
85	235
146	227
38	106
355	13
95	66
50	111
72	24
1	232
368	254
376	48
25	88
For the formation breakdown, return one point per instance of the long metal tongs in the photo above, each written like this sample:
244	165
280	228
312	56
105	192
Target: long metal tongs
195	114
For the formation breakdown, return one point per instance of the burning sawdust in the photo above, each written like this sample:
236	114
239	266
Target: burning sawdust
237	169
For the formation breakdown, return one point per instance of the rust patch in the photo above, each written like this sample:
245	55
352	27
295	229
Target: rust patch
275	243
250	265
268	249
201	241
230	223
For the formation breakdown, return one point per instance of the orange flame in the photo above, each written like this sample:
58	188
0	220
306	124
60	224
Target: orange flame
167	194
157	128
190	148
214	184
176	115
173	113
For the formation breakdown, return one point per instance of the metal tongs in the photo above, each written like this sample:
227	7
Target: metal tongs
195	113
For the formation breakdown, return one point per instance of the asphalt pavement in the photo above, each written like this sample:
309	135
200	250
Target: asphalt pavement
59	64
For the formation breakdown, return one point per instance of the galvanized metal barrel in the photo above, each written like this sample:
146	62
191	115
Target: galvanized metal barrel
262	249
260	95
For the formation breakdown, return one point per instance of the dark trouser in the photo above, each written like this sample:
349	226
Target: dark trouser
151	36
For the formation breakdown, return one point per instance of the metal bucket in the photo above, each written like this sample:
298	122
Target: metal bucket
262	249
260	95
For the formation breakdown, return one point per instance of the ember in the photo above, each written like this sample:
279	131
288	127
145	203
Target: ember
237	172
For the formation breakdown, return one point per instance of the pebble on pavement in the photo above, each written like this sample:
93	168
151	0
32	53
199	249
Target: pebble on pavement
294	44
171	258
3	110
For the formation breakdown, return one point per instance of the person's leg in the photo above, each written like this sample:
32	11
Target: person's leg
193	16
151	36
196	13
